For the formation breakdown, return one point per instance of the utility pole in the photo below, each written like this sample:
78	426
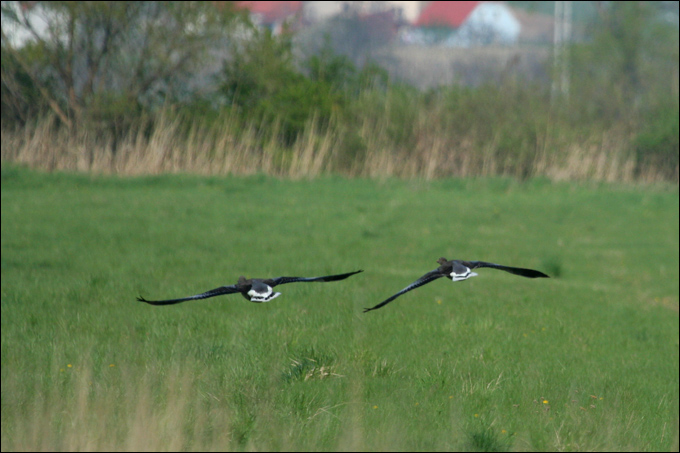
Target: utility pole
561	40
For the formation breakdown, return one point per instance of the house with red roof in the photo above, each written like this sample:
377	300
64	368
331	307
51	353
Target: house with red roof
445	14
274	15
466	23
452	23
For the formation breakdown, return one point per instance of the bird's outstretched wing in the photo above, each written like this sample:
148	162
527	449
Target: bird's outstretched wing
529	273
212	293
327	278
427	278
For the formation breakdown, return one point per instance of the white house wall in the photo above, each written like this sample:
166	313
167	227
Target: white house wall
489	23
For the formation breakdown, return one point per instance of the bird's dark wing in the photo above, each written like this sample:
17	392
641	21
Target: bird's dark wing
328	278
212	293
530	273
427	278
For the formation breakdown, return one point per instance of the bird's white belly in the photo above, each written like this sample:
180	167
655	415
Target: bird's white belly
262	296
462	276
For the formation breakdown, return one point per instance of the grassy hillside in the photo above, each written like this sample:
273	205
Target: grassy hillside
586	360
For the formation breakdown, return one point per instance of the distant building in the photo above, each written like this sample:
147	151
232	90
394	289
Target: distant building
319	11
296	14
453	23
274	15
464	24
536	27
445	14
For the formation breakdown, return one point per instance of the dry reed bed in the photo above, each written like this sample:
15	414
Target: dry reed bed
242	151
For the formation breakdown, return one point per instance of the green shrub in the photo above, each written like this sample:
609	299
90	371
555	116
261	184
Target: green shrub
262	82
656	145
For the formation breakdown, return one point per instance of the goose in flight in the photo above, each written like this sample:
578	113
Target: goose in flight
458	270
256	290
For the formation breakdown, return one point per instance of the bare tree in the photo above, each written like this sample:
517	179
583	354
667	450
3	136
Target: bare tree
80	55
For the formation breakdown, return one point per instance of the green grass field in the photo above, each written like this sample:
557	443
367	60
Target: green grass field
587	360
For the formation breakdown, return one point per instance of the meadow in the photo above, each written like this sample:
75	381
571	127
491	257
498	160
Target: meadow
585	360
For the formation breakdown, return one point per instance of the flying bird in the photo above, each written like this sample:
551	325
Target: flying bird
457	271
256	290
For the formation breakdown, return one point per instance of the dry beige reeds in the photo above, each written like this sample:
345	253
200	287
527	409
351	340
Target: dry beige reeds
243	150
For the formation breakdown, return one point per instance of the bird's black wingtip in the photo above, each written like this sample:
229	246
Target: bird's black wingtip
141	299
531	273
366	310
